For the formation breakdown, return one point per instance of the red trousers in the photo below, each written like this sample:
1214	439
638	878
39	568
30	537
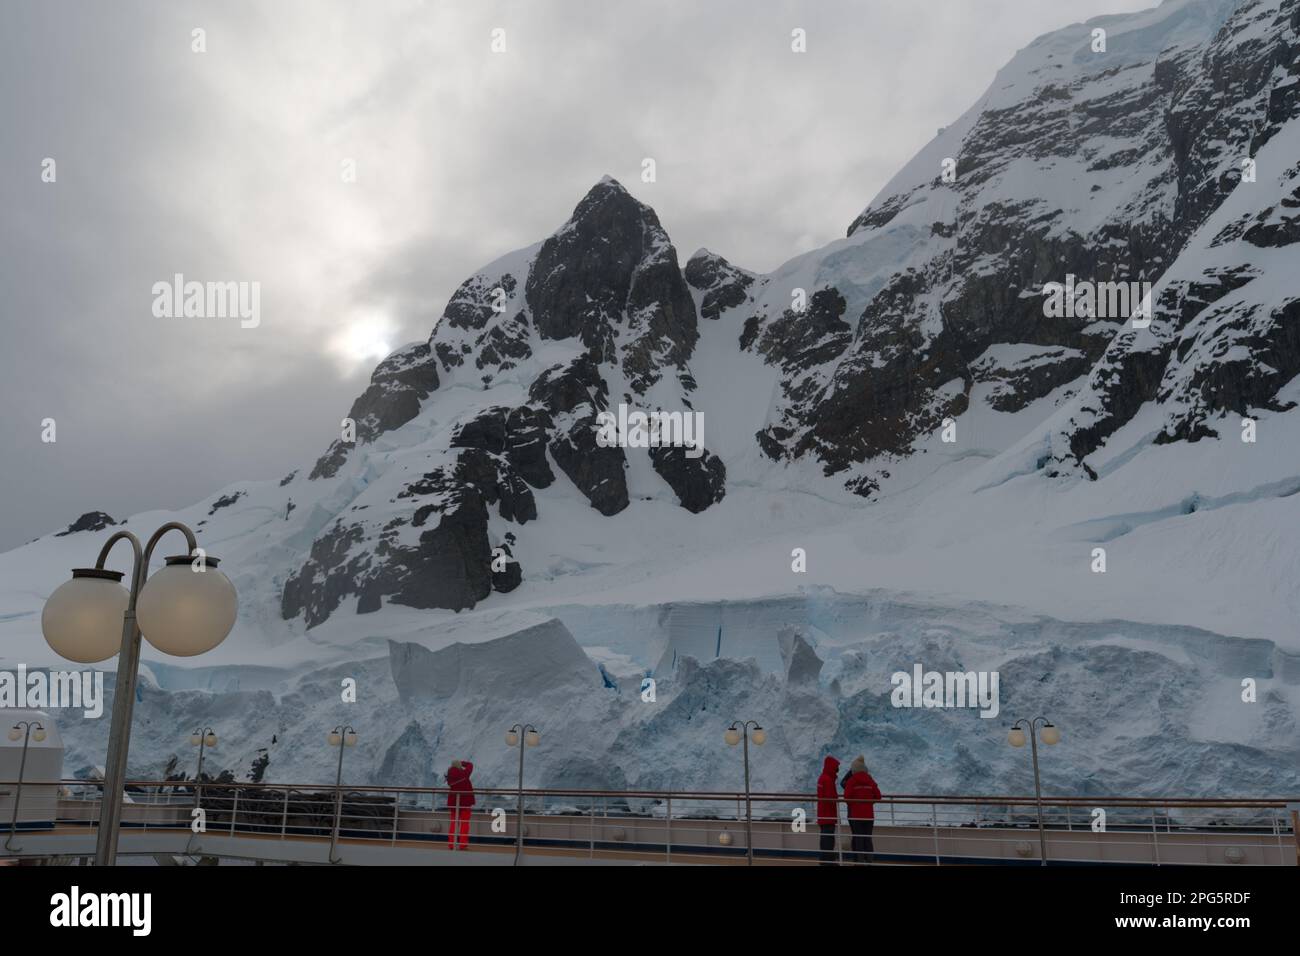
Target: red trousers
458	835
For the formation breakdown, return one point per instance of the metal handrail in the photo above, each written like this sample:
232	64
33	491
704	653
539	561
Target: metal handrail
683	826
927	799
716	795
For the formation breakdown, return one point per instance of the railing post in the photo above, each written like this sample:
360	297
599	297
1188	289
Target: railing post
284	816
1155	837
839	843
395	807
591	830
668	831
934	822
1295	830
234	811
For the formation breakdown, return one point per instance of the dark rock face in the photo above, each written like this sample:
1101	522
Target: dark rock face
520	434
507	576
723	285
90	521
398	386
473	304
487	431
225	501
1019	380
599	473
451	565
562	388
698	482
612	268
483	324
526	430
329	575
497	481
800	340
437	555
1224	378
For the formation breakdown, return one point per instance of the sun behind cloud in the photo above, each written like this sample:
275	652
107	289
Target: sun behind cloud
363	341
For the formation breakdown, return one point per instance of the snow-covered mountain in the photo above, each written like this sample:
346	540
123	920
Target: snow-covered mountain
905	458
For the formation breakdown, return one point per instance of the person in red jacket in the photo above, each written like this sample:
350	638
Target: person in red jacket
459	802
860	793
828	810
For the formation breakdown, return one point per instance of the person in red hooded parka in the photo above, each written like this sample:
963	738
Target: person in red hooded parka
860	793
828	810
459	802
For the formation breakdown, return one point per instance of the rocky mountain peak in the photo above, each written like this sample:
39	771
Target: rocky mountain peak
610	277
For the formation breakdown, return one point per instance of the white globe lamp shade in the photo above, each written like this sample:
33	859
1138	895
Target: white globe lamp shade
38	734
512	739
759	736
532	738
15	733
185	612
732	736
1051	734
335	739
210	740
82	619
724	838
350	738
1016	738
194	740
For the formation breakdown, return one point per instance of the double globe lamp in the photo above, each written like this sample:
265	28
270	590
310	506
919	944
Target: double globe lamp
180	611
186	608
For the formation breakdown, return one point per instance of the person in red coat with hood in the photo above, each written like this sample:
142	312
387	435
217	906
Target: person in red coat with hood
828	810
459	802
861	793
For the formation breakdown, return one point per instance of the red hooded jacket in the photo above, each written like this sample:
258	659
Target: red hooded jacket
827	808
462	790
861	792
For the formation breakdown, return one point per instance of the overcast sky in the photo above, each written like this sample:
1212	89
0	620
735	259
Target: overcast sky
226	165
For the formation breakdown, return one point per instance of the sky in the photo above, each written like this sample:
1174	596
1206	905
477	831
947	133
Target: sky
358	161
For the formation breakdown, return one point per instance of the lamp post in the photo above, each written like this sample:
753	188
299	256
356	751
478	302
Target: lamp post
518	736
202	738
341	736
738	731
1051	737
31	730
179	612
